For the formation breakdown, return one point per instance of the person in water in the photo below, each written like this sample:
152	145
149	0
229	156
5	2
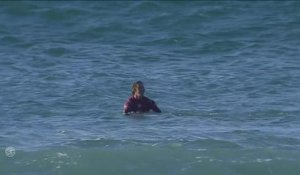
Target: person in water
138	103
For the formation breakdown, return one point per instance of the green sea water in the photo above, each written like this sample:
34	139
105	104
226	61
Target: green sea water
224	73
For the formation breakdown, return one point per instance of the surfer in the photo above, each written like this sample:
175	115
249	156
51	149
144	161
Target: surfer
138	103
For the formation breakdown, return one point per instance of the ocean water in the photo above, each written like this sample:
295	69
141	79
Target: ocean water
226	75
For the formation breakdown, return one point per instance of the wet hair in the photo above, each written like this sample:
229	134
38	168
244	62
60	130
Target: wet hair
135	86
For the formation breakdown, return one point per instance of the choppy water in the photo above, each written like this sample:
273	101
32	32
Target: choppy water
225	74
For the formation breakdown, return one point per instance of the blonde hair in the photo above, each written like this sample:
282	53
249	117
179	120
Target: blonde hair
135	85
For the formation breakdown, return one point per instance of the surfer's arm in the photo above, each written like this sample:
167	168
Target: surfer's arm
154	107
127	107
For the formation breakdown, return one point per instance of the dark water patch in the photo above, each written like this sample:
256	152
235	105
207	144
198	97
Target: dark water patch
106	31
62	12
10	40
57	52
41	62
221	47
18	8
4	29
56	15
143	8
